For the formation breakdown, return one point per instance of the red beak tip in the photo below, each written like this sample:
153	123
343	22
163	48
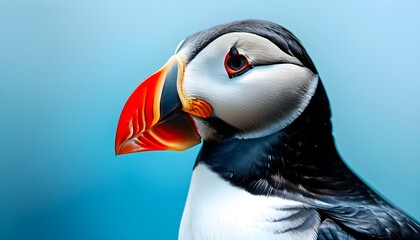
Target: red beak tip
117	153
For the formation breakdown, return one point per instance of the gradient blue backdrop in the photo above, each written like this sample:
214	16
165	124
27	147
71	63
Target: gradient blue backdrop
67	67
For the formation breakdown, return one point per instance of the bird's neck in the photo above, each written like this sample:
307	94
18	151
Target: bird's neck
302	154
301	163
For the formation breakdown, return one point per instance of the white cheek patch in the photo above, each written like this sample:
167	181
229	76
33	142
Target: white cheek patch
263	100
267	99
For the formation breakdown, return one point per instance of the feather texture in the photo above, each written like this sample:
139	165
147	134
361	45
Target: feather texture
237	181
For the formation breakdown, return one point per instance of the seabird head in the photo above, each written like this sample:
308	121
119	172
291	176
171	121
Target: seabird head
244	79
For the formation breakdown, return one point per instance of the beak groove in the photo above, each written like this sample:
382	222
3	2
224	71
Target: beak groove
153	116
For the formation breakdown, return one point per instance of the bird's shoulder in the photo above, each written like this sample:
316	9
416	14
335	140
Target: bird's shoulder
361	214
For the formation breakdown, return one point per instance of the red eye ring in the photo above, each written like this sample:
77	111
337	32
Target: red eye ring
236	64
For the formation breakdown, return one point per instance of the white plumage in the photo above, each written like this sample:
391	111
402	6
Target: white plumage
217	210
275	92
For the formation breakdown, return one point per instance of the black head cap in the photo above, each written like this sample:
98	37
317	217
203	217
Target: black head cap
277	34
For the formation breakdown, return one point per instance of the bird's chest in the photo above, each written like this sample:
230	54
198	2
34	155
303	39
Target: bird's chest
217	210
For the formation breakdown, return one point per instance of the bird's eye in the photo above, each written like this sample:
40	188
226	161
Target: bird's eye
236	64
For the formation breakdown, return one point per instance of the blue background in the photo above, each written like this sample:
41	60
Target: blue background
67	68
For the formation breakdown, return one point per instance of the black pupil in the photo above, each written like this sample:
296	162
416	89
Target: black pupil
236	62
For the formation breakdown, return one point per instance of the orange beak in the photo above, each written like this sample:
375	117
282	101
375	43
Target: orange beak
155	117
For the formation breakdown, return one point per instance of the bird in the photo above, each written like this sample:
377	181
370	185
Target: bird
268	167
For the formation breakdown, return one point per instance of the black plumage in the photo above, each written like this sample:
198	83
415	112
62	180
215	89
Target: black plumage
300	162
